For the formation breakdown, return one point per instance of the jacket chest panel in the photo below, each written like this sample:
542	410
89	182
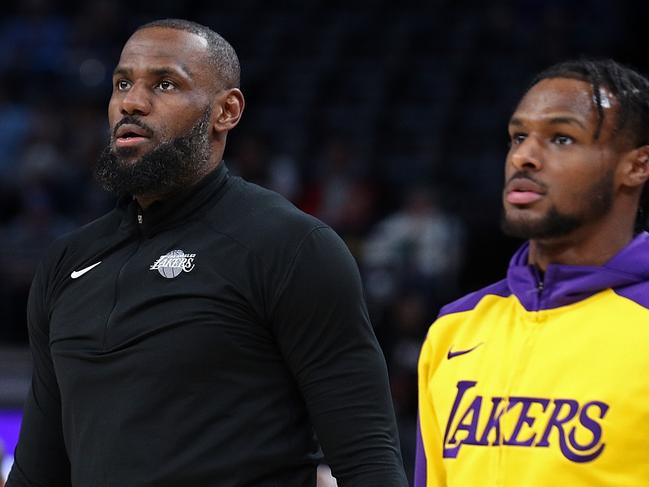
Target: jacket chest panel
175	294
545	386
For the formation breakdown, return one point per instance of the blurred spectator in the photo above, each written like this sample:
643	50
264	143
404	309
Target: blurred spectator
419	245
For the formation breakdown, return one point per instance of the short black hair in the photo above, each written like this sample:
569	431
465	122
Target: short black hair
630	89
222	55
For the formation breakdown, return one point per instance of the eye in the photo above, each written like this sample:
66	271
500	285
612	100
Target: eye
517	138
166	85
562	139
122	85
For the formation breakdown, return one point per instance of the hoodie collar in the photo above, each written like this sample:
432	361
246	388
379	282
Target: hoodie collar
177	208
566	284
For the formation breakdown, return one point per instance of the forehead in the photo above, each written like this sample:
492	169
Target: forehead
160	46
559	95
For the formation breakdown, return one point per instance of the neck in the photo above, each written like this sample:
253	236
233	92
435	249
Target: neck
581	247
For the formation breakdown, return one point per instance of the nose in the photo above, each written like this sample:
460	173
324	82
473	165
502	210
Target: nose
136	101
527	154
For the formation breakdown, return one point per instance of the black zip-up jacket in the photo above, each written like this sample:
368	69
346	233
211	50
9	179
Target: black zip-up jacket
202	342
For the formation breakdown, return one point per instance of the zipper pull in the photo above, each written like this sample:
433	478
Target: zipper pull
139	217
539	287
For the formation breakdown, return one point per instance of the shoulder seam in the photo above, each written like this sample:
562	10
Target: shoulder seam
291	265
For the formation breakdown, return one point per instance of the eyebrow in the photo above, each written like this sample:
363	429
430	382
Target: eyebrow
559	120
161	71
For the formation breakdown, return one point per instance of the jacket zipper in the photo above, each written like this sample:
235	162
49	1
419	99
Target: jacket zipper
501	479
117	287
119	277
540	286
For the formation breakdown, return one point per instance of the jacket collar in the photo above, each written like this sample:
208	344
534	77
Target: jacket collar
176	209
566	284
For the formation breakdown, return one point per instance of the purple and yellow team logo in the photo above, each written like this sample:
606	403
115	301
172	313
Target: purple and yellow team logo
532	422
173	263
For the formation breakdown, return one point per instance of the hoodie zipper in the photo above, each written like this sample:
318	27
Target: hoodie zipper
539	288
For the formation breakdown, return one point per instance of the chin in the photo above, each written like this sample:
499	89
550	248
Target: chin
519	228
128	156
549	225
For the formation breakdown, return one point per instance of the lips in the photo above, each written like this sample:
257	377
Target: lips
128	135
523	191
131	130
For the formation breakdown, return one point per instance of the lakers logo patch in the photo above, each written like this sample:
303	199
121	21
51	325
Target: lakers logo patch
173	263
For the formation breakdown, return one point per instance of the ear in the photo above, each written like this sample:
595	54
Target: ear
633	169
228	108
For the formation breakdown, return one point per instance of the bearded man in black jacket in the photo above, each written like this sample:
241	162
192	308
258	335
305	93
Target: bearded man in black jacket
205	332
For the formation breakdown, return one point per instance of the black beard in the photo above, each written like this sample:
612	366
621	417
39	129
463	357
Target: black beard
599	197
554	224
165	169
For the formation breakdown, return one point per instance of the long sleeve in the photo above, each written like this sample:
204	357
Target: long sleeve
429	468
323	329
40	458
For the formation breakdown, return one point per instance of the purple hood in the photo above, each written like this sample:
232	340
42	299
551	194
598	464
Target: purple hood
627	273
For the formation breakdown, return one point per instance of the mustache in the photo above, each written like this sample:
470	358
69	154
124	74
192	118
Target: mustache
130	119
525	175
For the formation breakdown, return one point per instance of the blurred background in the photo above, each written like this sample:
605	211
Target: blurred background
387	120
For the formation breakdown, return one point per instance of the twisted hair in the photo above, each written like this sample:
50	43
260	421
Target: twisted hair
630	89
